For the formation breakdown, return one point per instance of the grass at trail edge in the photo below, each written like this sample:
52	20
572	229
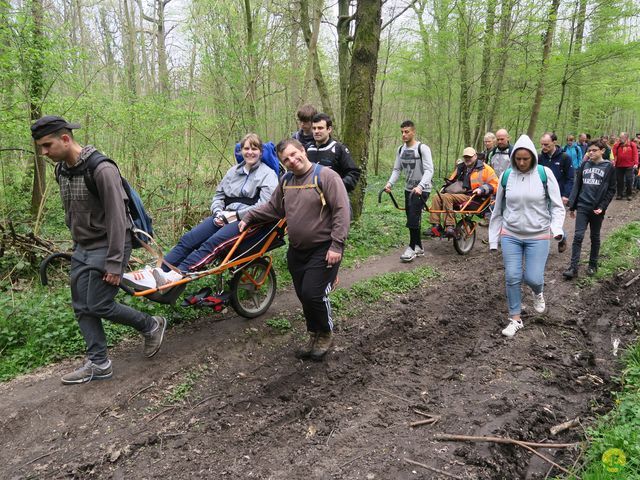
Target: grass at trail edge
613	450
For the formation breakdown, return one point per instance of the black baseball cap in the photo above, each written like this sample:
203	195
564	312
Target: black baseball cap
48	124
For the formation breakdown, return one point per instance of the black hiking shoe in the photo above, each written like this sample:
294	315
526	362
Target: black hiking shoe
570	273
305	350
324	342
591	270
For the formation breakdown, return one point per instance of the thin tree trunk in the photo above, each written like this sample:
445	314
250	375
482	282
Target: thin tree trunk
483	99
376	160
575	97
315	60
252	70
360	94
565	74
107	40
464	74
502	54
343	30
36	90
546	51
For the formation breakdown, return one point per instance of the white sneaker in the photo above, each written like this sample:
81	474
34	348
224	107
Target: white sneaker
512	328
538	303
162	277
140	279
419	251
408	255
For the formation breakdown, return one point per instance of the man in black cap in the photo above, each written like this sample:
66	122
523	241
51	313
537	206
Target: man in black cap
101	232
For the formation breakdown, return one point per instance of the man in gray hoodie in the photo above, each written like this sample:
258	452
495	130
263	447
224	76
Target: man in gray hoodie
101	232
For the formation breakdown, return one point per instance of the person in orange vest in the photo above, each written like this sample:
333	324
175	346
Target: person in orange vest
471	177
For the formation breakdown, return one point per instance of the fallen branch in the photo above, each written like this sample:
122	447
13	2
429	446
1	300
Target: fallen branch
100	414
632	281
140	391
510	441
564	426
391	394
430	420
40	458
162	412
433	469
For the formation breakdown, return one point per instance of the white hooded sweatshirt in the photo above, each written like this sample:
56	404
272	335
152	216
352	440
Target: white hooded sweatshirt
522	209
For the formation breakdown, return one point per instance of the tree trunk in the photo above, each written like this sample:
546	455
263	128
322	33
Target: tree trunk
129	54
565	74
483	99
360	94
464	74
376	160
36	89
163	68
107	40
252	70
502	54
343	29
546	51
315	61
575	114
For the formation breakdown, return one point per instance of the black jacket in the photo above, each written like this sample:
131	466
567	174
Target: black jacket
607	188
337	157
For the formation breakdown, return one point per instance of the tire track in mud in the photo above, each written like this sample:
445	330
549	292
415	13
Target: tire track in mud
256	412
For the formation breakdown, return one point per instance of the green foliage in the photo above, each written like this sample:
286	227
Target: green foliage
178	393
619	430
619	250
379	287
37	327
279	325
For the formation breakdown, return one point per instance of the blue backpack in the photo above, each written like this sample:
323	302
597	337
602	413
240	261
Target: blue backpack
135	208
269	156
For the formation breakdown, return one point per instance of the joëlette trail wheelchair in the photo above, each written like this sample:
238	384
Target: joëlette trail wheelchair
466	217
243	274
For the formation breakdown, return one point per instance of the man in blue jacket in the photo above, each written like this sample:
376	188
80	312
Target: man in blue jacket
560	164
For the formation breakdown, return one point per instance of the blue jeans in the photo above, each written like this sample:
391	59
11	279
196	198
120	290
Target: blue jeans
535	253
198	243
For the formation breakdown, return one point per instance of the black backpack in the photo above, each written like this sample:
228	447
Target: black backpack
142	222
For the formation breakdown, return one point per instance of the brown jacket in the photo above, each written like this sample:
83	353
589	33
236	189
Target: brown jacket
98	222
309	223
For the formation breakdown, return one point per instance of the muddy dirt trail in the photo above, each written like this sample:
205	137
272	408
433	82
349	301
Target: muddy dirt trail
227	399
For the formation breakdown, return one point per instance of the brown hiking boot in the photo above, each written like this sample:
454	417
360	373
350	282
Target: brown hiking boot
323	343
305	350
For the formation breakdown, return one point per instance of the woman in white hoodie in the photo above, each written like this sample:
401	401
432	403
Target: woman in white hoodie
527	213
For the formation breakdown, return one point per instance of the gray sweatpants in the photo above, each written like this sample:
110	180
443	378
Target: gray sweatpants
93	299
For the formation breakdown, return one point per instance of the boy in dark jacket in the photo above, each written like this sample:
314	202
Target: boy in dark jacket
593	190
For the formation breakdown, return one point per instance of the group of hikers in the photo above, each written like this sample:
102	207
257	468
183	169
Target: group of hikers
529	192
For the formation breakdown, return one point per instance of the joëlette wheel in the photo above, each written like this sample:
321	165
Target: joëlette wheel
249	299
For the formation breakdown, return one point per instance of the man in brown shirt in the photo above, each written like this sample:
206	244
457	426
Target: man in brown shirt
101	231
316	204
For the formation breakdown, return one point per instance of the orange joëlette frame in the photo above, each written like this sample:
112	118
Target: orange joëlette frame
227	263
